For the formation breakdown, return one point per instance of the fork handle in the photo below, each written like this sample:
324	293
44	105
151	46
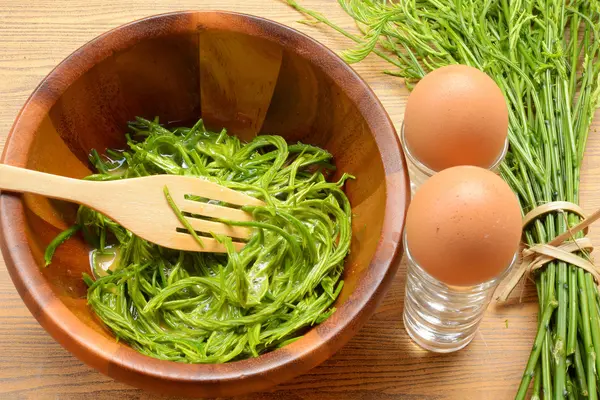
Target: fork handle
14	179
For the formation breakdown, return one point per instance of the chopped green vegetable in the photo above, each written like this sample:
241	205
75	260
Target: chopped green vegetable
181	217
57	241
211	308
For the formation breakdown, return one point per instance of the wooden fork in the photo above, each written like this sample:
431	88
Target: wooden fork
140	205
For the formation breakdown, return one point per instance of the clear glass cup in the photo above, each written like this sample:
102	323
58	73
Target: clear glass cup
419	172
439	317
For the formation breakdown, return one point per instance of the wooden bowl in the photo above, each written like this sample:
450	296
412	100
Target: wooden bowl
244	73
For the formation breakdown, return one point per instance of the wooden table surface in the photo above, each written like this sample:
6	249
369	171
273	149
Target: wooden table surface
380	363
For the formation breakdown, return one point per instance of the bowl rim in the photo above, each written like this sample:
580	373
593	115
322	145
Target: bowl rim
128	365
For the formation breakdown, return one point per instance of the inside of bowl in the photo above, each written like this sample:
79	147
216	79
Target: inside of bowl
245	84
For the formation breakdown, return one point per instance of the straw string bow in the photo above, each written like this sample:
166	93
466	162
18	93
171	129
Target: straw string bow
559	248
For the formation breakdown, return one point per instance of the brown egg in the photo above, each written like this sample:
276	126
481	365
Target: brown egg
464	226
456	115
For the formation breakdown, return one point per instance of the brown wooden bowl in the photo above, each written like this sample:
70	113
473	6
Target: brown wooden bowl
241	72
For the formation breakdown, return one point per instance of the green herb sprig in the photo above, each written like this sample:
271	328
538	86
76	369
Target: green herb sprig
544	56
212	308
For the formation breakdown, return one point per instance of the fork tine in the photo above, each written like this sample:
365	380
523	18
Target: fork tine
211	190
185	241
212	210
201	225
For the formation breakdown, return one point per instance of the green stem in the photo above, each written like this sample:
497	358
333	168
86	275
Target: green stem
587	336
559	344
573	310
537	348
593	312
570	389
537	381
580	371
546	353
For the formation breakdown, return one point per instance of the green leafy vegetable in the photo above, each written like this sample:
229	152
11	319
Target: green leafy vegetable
212	308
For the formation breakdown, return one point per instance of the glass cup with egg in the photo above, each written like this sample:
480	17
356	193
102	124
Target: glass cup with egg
462	235
456	115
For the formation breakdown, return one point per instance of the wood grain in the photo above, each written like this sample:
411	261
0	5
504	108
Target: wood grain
380	363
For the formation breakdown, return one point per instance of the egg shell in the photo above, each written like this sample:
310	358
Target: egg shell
456	115
463	226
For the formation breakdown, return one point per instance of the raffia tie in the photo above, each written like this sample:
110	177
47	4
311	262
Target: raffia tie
535	257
